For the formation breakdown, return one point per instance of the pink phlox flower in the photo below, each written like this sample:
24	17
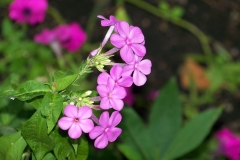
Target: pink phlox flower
130	97
140	68
76	121
107	130
112	21
28	11
116	75
70	37
129	40
229	144
111	95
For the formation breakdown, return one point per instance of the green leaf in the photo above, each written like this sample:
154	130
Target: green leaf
35	133
5	130
82	149
63	79
52	105
192	134
36	102
12	146
135	135
31	89
165	118
177	12
63	149
7	28
129	152
49	156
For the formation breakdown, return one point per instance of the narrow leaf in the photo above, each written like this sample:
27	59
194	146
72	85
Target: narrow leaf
36	135
129	152
82	149
165	118
192	134
52	105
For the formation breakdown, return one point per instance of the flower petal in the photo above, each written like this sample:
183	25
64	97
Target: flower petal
136	35
102	90
104	118
101	142
95	132
110	84
71	111
65	123
127	70
116	72
126	81
123	29
102	78
126	54
139	49
145	66
113	133
84	112
86	125
105	104
139	79
75	131
117	40
115	119
116	104
119	93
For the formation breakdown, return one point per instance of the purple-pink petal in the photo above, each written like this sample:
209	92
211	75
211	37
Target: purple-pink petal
104	118
126	54
110	85
116	104
116	72
115	119
139	79
113	133
75	131
95	132
84	112
136	35
86	125
117	40
102	90
145	66
127	70
105	104
65	123
118	92
102	78
101	142
139	49
123	29
71	111
126	81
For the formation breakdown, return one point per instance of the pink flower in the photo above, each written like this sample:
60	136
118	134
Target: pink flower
111	95
105	22
139	69
229	144
107	131
28	11
130	39
116	75
76	120
153	95
70	37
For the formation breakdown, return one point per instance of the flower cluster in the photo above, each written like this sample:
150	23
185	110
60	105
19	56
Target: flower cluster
113	86
229	144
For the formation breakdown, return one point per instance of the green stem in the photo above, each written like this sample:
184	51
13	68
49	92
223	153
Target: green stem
56	15
204	40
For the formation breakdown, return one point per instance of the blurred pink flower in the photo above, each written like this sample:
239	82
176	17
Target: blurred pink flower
107	130
28	11
153	95
70	37
76	120
130	97
229	144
